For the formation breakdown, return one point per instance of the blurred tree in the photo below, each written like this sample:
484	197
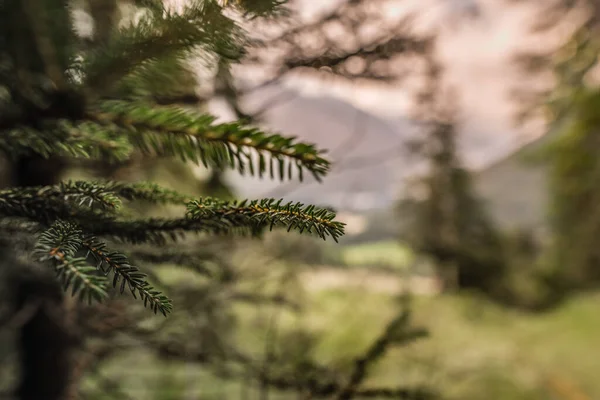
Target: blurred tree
450	224
569	102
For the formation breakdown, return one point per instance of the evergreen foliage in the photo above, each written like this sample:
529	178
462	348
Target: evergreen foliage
63	97
451	224
573	165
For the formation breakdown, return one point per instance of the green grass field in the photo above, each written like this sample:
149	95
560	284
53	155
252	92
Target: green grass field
390	254
475	351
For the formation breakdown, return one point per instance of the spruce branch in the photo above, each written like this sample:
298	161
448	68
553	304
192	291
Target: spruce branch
87	202
270	212
59	245
67	200
178	132
128	275
223	218
43	204
108	194
160	34
396	332
147	191
161	81
65	138
86	194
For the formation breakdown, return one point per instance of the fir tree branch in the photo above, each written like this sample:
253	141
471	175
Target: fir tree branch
108	194
160	35
294	216
147	191
178	132
40	204
64	138
161	81
65	200
118	264
396	332
118	126
94	206
88	203
86	194
59	245
220	217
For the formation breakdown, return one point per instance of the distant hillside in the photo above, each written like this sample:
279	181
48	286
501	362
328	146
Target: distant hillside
370	160
370	163
366	151
515	189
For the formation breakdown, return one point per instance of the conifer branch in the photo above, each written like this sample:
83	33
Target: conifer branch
40	204
74	119
65	200
108	194
65	138
59	245
116	127
162	33
163	82
270	212
178	132
118	264
147	191
395	333
80	200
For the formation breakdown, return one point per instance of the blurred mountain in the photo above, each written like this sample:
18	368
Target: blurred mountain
368	151
515	188
371	161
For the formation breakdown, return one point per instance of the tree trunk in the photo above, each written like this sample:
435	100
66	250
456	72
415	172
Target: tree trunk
44	342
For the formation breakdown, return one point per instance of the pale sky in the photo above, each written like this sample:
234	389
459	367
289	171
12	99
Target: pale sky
477	54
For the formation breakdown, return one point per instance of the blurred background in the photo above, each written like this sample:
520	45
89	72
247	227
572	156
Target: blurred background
464	137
